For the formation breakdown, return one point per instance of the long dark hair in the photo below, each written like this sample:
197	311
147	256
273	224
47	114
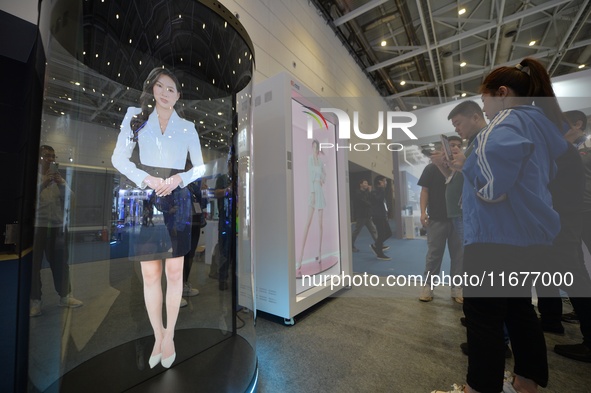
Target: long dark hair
147	101
527	79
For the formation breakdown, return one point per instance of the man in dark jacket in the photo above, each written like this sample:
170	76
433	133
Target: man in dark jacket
379	214
362	204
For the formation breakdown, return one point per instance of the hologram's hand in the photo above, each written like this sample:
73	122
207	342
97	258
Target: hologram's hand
153	182
167	186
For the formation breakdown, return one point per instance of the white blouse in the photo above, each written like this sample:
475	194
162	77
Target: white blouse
168	150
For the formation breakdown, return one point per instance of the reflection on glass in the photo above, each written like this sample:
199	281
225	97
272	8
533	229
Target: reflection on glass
51	232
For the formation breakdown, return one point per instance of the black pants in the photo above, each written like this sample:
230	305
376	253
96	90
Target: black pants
53	243
565	258
188	261
363	221
224	263
384	231
487	310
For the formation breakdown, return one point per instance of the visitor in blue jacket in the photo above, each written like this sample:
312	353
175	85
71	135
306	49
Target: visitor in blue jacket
508	222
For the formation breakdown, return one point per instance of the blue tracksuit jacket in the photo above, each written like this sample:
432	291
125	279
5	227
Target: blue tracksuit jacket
514	156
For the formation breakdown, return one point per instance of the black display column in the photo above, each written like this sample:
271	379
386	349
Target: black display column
20	111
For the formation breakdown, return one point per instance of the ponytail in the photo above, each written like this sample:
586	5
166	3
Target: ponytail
527	79
541	88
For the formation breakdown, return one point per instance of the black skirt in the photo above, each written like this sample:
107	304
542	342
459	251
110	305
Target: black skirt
167	232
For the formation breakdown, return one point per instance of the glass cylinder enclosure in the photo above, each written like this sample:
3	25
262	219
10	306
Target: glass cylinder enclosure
141	255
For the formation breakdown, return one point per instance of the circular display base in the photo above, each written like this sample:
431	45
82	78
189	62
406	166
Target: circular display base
207	360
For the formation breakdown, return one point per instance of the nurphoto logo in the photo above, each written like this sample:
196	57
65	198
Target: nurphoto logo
394	121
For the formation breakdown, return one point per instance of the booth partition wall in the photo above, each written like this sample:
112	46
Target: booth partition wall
93	327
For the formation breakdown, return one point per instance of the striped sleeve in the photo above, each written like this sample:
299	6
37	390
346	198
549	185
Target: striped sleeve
500	155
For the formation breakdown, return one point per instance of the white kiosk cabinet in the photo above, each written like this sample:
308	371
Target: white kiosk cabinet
301	220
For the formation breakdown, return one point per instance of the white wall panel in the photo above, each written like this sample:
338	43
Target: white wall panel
287	31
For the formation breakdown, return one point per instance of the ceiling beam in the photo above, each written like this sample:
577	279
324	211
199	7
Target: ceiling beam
358	11
397	48
519	15
461	20
500	12
480	72
569	36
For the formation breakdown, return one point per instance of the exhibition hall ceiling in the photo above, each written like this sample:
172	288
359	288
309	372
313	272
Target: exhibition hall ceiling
96	68
417	53
426	52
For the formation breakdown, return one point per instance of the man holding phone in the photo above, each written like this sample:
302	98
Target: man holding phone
51	235
468	120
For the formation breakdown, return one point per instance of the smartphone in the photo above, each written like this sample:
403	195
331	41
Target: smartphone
53	168
446	147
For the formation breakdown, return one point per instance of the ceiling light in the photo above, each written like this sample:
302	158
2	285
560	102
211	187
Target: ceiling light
463	94
462	11
532	43
402	83
383	43
463	64
414	107
582	66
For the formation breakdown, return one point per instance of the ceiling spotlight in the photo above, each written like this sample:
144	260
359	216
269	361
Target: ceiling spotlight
532	43
463	94
414	107
462	11
383	43
463	64
402	83
581	66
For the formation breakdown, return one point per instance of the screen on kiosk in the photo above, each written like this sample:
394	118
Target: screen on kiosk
316	220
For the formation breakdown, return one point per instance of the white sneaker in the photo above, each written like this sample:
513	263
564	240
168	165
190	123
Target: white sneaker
70	301
426	294
184	303
457	294
223	325
508	383
454	389
35	309
188	291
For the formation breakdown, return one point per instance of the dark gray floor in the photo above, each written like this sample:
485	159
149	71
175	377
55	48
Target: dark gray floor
378	339
384	340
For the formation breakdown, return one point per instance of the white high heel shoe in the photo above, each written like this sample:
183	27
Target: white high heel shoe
166	363
154	360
